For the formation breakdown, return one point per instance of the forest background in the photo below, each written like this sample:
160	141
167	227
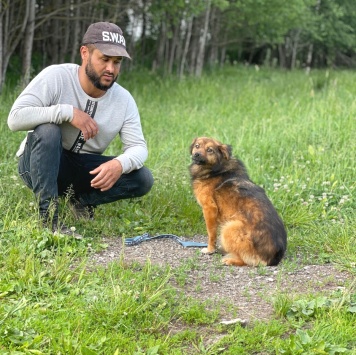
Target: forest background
181	37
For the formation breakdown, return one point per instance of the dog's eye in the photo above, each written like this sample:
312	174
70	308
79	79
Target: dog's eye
209	150
197	146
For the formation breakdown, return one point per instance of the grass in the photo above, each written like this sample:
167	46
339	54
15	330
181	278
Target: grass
296	135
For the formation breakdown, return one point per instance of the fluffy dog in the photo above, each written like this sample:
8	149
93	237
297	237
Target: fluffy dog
251	231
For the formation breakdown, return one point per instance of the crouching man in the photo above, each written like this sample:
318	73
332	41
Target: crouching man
72	114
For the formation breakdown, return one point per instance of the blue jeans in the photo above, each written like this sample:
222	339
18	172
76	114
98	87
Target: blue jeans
51	171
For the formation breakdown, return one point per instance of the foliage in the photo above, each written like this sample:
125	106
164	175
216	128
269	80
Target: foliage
321	310
164	35
332	27
261	23
304	343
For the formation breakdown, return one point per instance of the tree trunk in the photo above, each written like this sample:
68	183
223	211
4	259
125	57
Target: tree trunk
11	33
311	45
295	49
2	72
173	48
179	50
65	33
188	36
215	34
28	43
161	46
282	56
309	57
267	58
76	34
144	30
202	42
193	46
164	64
223	52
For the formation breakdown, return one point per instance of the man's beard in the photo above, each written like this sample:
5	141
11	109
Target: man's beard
95	78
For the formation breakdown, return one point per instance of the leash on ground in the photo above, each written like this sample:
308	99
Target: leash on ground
145	237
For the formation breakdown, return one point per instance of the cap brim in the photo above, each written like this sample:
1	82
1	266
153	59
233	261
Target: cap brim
112	50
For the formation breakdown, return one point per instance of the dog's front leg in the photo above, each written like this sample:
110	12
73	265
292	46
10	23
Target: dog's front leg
210	212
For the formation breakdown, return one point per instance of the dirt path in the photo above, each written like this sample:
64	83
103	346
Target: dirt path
249	290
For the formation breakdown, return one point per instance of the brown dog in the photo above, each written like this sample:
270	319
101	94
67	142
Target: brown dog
251	232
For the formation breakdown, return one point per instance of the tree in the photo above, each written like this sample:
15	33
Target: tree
183	36
202	40
13	20
28	43
332	31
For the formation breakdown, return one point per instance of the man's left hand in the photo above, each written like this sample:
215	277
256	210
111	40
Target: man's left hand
106	175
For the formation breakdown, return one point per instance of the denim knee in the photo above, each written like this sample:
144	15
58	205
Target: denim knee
143	181
49	135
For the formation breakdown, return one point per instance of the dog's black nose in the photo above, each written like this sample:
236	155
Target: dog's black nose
196	155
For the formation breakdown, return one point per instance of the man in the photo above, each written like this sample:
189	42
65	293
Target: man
73	113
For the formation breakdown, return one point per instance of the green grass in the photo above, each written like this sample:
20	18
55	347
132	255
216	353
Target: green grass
296	135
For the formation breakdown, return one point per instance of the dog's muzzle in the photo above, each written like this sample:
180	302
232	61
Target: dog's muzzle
197	158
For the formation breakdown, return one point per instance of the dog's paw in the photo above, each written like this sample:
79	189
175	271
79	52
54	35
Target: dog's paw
207	251
232	261
227	262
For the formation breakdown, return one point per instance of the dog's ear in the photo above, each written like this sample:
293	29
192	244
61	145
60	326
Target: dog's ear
226	150
192	145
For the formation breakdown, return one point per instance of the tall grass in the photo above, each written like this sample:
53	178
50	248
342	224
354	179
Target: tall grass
295	133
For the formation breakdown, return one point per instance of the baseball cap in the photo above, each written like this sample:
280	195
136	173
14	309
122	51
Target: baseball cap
108	38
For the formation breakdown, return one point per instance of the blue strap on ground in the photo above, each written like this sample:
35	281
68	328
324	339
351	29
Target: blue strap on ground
145	237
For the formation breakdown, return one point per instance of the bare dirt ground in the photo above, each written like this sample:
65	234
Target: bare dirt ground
245	293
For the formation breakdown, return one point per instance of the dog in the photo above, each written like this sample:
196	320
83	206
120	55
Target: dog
251	231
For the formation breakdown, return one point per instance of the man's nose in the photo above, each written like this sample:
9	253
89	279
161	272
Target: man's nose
110	66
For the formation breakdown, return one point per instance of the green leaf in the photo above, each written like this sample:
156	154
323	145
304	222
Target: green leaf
87	351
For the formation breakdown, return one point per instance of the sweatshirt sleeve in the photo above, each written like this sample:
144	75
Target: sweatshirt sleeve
135	150
37	104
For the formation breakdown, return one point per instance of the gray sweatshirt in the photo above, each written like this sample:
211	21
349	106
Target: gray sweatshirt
50	98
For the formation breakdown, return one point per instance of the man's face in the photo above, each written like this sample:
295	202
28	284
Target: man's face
102	70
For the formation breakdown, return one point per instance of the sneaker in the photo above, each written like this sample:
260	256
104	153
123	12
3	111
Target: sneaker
81	211
64	230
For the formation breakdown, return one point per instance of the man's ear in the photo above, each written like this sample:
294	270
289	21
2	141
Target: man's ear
84	52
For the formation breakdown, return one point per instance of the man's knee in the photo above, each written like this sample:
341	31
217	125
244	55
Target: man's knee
144	180
48	134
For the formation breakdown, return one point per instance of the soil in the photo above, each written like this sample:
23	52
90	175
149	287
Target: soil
244	294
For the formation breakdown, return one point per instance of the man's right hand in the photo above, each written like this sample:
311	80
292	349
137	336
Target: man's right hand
85	123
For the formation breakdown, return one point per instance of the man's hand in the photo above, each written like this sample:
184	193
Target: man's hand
85	123
106	175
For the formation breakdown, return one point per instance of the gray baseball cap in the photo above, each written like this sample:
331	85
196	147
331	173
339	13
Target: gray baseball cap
108	38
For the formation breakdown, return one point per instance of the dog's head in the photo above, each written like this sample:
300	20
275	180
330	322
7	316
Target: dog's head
209	151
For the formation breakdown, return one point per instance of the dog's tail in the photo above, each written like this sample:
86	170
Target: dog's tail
277	257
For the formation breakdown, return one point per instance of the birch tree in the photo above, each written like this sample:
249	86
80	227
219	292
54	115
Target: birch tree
202	41
28	43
